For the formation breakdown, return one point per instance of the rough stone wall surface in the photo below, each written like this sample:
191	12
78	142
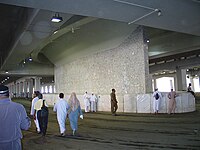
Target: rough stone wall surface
124	68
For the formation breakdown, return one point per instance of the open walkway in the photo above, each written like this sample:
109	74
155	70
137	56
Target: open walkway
126	131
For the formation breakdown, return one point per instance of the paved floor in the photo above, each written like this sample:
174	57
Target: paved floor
102	131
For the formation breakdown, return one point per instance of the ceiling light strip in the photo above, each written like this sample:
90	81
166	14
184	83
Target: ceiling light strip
141	6
133	4
141	17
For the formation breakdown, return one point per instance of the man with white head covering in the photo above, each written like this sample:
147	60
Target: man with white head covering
86	99
13	119
93	101
157	98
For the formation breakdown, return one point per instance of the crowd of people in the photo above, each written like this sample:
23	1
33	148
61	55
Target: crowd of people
90	102
14	117
64	109
157	96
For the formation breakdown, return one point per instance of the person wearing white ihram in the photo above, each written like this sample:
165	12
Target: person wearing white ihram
86	99
61	107
156	100
32	112
93	101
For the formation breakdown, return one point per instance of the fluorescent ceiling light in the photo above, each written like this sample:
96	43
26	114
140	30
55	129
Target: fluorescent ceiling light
30	58
56	18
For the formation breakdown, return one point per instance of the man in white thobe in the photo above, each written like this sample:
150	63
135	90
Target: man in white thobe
93	101
32	112
157	96
61	107
86	99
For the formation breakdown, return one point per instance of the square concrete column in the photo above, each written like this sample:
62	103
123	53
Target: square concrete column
14	89
181	79
37	83
25	88
17	89
30	87
21	89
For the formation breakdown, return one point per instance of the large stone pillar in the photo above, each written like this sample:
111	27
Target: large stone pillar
181	79
125	68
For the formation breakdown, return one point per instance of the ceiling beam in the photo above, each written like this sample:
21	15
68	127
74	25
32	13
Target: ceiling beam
181	64
176	15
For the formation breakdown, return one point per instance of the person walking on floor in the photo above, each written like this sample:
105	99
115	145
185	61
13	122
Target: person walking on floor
42	113
74	112
93	101
157	96
86	99
172	101
114	102
61	107
13	118
32	112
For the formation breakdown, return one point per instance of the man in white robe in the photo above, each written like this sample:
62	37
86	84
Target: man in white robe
93	101
86	99
61	108
32	112
157	96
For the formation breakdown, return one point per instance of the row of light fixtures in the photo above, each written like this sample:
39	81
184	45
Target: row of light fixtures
5	80
56	18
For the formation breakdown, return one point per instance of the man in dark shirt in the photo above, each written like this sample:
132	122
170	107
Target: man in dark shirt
189	89
114	102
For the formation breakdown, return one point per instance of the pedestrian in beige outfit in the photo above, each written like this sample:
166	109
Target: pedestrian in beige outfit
172	102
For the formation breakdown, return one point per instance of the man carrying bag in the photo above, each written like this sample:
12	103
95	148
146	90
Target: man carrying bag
42	112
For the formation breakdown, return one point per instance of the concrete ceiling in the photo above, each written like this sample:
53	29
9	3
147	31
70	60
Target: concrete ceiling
179	18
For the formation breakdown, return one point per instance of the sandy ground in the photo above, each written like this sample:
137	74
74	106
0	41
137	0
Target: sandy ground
102	131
